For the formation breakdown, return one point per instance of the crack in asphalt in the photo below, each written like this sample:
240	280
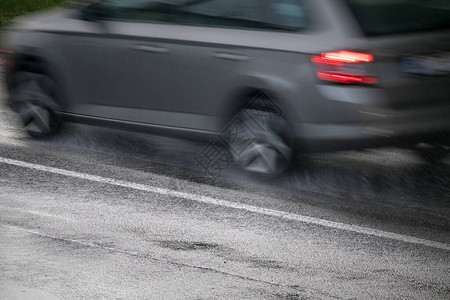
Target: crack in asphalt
147	256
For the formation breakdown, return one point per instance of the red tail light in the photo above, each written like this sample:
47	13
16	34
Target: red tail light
345	67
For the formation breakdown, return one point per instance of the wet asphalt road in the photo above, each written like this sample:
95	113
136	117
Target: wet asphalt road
131	216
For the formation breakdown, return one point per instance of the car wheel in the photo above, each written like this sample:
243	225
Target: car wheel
258	141
34	96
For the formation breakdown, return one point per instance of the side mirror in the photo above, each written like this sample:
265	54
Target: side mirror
93	12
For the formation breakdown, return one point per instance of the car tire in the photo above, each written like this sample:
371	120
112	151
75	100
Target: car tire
258	140
34	96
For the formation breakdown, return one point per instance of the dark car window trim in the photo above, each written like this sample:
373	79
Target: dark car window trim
357	10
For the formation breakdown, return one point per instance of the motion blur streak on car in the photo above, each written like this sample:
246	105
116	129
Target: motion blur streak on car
288	76
5	58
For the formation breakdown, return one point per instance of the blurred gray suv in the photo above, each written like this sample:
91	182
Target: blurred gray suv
271	78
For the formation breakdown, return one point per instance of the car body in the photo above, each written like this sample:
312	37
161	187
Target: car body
340	79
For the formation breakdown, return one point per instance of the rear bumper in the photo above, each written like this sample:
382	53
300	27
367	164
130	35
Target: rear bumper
360	117
402	130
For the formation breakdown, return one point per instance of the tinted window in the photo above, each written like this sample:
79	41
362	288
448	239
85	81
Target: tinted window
141	10
288	14
270	14
230	13
380	17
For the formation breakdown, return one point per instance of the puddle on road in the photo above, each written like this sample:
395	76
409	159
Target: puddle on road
187	246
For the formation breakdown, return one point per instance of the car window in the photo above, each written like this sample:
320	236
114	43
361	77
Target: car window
140	10
288	14
229	13
270	14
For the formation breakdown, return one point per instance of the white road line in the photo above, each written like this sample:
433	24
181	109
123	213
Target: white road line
229	204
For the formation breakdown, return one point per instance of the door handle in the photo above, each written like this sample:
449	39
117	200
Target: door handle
230	56
151	49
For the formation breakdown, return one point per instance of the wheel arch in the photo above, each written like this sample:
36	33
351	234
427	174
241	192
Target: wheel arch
243	90
29	58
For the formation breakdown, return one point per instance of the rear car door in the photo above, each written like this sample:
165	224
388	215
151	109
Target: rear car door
182	55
